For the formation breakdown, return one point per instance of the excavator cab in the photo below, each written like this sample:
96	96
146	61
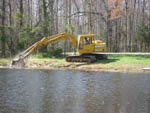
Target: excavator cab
85	44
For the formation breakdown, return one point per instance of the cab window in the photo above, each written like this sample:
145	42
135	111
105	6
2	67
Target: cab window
81	44
87	41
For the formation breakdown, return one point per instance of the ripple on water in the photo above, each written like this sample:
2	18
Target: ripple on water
53	91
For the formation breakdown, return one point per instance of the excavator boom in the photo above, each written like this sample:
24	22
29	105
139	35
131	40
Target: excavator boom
19	60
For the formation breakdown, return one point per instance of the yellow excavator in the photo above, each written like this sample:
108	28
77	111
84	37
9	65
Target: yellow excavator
89	49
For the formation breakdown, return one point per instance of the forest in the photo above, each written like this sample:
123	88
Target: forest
123	24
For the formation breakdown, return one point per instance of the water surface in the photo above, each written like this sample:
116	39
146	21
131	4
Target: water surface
53	91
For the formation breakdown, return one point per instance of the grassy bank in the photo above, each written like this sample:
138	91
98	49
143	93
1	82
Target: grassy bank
115	63
4	61
126	59
125	63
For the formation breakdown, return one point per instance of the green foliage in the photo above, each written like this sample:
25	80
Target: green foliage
70	27
44	28
57	52
3	35
53	52
18	16
1	28
65	20
10	28
25	31
26	35
143	34
21	43
46	20
34	30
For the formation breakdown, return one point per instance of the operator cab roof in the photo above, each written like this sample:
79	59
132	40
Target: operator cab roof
90	35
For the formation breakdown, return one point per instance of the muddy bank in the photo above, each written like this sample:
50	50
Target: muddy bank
97	67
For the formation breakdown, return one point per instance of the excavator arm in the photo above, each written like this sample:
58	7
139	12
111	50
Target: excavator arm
19	60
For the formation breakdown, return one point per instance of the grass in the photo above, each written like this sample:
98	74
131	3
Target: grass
48	59
39	58
125	63
114	62
112	59
36	58
4	61
126	59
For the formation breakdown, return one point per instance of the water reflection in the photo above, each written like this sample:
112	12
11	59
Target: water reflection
43	91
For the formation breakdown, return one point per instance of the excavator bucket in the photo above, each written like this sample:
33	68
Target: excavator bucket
17	62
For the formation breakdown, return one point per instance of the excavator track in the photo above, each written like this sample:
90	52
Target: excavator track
81	58
100	56
86	58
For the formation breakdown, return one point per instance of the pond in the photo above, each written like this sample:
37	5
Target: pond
57	91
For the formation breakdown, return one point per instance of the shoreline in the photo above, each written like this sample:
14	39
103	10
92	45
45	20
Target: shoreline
85	67
114	63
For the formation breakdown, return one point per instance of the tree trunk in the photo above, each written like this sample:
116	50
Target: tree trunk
11	45
89	16
21	11
70	45
66	15
57	17
3	40
143	20
126	38
45	17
